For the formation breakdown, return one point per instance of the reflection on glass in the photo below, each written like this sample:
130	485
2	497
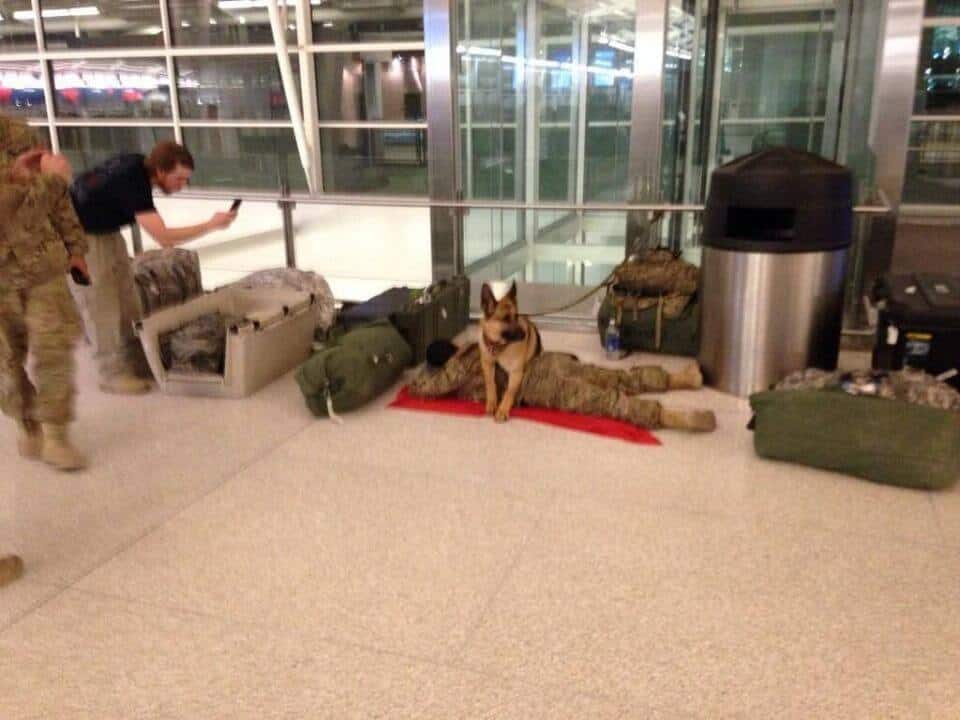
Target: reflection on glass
938	73
90	146
774	81
232	88
341	21
383	162
942	8
371	86
254	158
16	28
21	89
545	116
607	156
105	23
933	164
227	22
111	88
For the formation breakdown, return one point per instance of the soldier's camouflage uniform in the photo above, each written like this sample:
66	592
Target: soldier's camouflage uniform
39	232
555	380
912	386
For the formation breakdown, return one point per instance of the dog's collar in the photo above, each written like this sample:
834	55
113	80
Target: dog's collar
492	347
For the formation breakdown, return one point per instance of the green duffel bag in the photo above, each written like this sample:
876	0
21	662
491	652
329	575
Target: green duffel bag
353	369
885	441
679	335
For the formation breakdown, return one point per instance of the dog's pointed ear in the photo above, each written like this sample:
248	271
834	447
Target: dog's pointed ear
487	301
512	294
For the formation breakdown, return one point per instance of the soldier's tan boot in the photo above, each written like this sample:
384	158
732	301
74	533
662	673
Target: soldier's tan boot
58	452
11	568
30	441
126	385
689	420
690	378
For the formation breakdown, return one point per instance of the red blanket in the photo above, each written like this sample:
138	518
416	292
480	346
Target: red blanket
607	427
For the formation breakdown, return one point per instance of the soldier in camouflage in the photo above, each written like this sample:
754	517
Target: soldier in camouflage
560	381
912	386
40	240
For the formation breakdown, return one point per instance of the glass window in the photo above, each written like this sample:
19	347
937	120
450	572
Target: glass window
933	164
227	22
381	162
16	28
371	86
385	22
943	8
232	88
252	158
87	147
21	89
111	88
938	73
105	23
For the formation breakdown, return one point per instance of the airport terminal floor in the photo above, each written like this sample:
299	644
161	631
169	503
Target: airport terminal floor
241	559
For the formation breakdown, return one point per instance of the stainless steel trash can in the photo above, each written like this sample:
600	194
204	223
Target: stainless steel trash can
777	231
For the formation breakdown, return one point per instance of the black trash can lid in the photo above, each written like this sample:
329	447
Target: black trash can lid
780	200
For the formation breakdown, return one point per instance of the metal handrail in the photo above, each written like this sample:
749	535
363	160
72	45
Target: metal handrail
418	202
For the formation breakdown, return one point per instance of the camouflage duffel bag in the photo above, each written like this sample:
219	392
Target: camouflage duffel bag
899	434
353	369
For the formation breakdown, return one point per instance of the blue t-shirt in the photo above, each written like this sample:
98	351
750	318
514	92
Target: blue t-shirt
109	196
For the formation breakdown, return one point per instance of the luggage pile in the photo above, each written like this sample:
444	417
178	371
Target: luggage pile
652	298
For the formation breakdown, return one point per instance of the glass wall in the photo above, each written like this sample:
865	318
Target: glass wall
933	157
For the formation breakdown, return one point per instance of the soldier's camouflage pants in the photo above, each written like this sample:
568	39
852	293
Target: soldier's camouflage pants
109	307
558	381
42	322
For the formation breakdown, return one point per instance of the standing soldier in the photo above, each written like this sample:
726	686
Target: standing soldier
40	241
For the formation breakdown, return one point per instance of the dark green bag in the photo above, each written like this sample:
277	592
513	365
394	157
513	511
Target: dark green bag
638	330
354	368
886	441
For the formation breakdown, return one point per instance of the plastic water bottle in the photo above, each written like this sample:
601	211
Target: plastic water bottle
611	341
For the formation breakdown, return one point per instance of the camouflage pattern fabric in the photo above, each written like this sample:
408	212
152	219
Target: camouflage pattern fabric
40	321
302	280
652	273
16	137
165	277
554	380
912	386
40	229
199	346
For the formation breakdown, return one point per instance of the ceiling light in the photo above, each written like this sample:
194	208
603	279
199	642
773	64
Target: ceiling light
82	11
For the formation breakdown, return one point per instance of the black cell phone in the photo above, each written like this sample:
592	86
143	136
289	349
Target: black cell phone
236	204
78	277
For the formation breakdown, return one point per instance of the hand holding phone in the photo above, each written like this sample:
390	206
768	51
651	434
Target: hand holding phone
236	205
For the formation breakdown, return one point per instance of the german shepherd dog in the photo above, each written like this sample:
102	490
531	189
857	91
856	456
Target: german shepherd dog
509	340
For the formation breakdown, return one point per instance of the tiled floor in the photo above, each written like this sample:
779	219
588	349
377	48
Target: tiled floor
241	560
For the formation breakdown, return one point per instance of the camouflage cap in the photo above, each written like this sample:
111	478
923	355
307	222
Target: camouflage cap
16	137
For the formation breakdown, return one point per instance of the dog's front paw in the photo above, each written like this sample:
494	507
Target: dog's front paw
502	415
491	407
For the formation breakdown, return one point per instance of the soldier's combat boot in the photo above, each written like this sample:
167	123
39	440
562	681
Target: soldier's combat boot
11	568
689	420
30	441
126	385
690	378
57	450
